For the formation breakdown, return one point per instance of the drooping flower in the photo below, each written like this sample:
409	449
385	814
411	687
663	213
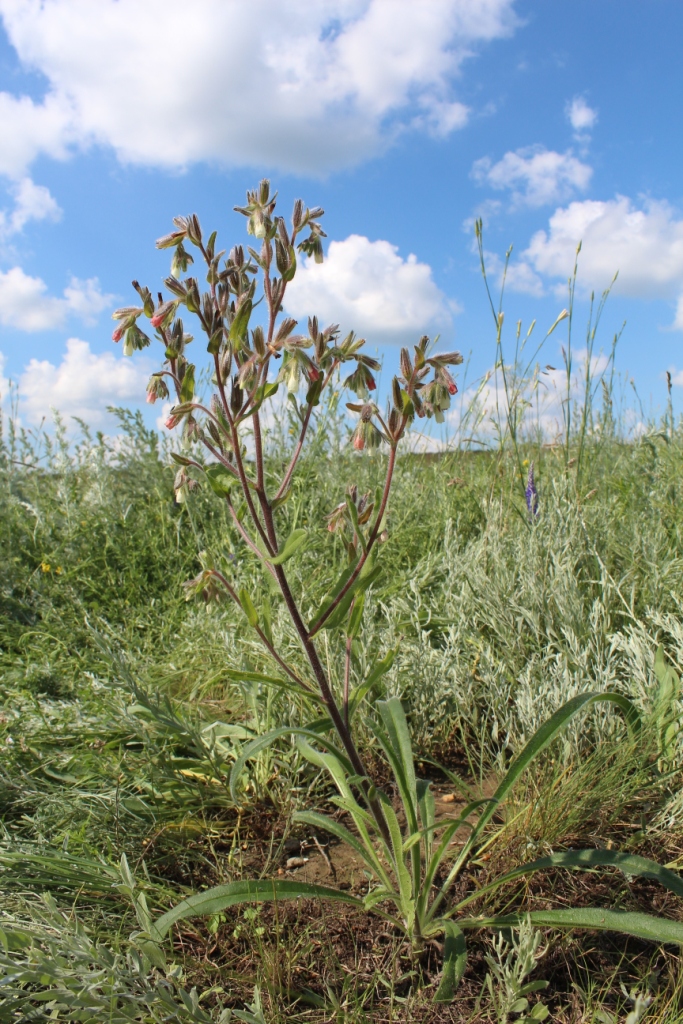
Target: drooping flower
172	420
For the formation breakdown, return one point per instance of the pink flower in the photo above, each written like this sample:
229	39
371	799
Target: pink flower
172	421
157	319
359	443
452	388
370	381
117	334
151	397
313	374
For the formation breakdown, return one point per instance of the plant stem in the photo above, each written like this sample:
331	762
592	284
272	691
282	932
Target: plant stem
371	540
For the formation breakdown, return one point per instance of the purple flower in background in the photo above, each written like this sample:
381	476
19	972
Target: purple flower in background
531	494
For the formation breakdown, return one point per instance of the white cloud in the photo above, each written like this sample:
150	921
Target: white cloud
678	320
367	287
31	202
82	385
25	304
4	382
535	175
537	400
30	129
581	117
306	85
644	244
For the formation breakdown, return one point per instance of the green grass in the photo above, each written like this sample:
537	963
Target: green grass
110	683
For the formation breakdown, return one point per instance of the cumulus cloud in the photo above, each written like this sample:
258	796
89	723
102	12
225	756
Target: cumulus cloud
534	175
581	117
32	129
644	244
31	202
538	400
305	85
26	305
83	384
367	287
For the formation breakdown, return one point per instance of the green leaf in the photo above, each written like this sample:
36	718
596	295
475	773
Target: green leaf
187	386
221	480
396	725
238	328
258	677
366	578
267	616
356	617
341	582
262	392
546	733
215	341
290	547
215	900
454	962
248	608
543	736
335	828
629	863
182	460
405	882
261	742
642	926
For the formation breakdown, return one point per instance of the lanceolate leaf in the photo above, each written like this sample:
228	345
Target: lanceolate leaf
642	926
454	963
258	677
213	901
269	738
629	863
220	479
366	577
187	386
239	325
538	743
290	546
248	607
335	828
547	733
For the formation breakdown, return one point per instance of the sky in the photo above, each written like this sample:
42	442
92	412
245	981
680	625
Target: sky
555	123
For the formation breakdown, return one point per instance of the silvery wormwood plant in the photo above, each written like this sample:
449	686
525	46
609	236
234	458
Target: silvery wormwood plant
410	856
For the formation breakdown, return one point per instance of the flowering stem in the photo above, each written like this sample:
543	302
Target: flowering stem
262	636
371	540
238	460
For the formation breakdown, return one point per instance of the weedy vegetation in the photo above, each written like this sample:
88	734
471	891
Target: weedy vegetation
315	727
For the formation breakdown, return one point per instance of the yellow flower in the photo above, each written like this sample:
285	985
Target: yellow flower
526	462
59	570
45	566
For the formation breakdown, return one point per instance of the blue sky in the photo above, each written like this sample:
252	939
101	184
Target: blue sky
554	122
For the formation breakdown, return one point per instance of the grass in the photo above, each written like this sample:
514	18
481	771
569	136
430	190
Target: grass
123	708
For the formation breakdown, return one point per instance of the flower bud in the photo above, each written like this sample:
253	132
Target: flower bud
117	334
156	388
406	365
163	313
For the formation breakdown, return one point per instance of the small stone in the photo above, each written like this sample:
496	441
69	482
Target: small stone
296	862
448	798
